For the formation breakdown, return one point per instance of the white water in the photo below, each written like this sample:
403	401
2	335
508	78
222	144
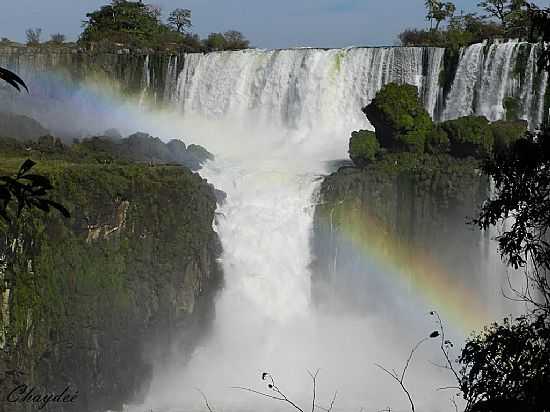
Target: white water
272	118
486	76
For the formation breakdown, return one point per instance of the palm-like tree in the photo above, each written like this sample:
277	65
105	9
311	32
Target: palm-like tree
12	79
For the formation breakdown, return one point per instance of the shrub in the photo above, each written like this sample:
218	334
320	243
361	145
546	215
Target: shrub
400	120
363	147
507	132
469	136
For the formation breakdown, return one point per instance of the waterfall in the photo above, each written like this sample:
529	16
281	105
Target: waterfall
304	88
488	74
272	118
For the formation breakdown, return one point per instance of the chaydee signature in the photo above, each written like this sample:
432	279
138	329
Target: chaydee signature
31	395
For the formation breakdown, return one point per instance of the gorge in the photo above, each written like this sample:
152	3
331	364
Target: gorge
276	122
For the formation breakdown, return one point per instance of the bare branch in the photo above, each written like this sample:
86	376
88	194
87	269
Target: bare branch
205	400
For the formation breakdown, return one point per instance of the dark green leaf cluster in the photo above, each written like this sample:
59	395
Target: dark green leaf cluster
507	367
469	136
522	183
403	125
28	191
363	147
400	120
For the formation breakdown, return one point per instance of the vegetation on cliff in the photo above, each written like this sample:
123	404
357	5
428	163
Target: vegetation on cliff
400	119
139	25
402	125
134	264
508	19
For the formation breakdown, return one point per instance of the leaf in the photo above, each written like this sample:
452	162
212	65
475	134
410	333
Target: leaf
39	180
42	205
12	79
60	208
26	166
434	334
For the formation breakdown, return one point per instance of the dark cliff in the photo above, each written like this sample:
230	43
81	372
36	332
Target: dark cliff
92	301
399	208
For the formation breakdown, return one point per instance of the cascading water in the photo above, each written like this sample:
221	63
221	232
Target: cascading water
272	118
489	74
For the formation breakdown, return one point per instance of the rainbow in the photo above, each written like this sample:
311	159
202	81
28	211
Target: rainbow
414	271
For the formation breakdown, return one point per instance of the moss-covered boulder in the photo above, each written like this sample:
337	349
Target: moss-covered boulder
400	120
507	132
469	136
363	147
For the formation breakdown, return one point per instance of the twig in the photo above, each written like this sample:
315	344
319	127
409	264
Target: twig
205	400
314	379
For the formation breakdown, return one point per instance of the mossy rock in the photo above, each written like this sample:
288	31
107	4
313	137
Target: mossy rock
400	120
469	136
363	147
507	132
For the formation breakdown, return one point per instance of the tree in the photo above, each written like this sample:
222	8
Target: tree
33	36
438	11
443	12
180	20
235	40
498	9
57	38
507	367
215	42
132	23
155	11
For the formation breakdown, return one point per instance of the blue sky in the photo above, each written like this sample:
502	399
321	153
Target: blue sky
267	23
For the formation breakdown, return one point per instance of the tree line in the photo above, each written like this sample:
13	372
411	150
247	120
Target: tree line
138	25
503	19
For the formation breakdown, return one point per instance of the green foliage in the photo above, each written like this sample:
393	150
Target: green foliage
363	147
139	236
400	120
521	181
507	367
28	191
469	136
507	132
438	11
135	24
128	22
230	40
437	141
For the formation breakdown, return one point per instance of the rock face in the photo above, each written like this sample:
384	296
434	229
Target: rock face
93	300
391	212
21	127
